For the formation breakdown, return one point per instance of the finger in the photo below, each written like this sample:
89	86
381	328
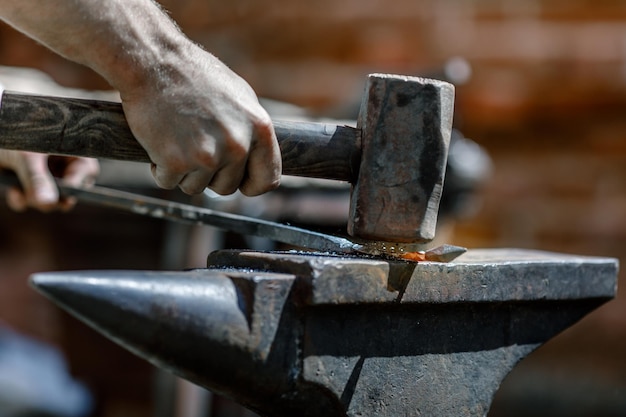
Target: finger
39	186
67	203
44	194
227	180
16	200
81	172
164	178
264	165
195	182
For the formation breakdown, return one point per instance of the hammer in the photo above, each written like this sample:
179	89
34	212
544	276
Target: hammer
394	159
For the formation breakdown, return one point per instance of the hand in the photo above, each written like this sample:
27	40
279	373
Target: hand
39	190
202	126
199	122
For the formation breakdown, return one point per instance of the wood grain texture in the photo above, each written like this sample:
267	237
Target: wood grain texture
98	129
318	150
67	126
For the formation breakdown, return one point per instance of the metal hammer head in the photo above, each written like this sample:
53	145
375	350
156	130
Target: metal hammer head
405	125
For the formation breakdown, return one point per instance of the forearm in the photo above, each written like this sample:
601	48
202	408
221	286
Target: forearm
221	137
126	41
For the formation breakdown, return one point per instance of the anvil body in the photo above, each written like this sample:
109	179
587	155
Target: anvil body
313	334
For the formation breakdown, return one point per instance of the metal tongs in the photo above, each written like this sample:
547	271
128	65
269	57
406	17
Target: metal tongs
295	236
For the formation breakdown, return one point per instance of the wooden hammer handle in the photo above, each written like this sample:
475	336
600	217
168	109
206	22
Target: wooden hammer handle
98	129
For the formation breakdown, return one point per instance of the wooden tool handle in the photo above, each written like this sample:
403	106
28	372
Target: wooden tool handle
98	129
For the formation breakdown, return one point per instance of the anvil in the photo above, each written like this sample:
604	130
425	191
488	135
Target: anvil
307	334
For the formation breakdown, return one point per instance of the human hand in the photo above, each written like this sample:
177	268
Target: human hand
202	126
39	189
200	123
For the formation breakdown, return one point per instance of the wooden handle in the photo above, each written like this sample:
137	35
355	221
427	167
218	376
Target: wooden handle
98	129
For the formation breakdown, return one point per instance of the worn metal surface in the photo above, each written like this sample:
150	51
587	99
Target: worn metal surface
406	124
318	335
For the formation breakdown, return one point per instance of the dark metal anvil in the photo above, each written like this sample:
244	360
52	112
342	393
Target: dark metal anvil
315	335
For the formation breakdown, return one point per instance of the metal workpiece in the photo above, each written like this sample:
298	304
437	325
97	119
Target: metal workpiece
308	334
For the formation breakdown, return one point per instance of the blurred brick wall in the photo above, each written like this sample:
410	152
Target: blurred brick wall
547	100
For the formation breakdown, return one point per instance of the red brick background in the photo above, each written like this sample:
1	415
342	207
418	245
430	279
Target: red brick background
546	99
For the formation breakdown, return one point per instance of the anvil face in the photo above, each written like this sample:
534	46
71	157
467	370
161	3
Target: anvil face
302	334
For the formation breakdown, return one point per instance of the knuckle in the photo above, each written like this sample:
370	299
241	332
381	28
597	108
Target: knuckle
176	164
207	159
264	128
233	145
223	190
164	179
92	166
191	189
251	189
165	183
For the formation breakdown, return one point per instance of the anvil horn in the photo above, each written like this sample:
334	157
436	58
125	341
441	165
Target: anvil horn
202	325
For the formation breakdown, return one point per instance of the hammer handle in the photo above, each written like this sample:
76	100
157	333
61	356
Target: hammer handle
98	129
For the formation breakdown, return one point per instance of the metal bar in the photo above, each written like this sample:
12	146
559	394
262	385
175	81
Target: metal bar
279	232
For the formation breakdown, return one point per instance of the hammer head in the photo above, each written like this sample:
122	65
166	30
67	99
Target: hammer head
405	125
